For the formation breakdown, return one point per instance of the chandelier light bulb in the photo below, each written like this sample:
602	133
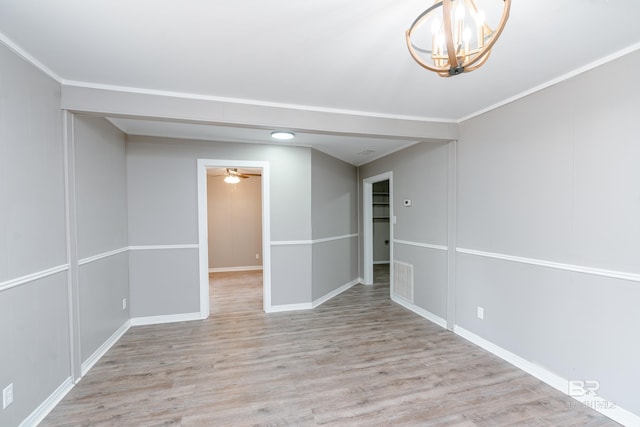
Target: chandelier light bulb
466	35
460	11
435	26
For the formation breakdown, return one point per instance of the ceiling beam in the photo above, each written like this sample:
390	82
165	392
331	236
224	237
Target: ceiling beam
203	110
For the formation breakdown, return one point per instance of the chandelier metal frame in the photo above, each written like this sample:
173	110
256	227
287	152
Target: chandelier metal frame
458	57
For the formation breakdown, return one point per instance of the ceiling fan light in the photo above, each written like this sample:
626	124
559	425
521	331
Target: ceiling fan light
231	179
282	135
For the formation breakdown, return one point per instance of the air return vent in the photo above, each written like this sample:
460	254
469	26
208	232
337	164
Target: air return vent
403	280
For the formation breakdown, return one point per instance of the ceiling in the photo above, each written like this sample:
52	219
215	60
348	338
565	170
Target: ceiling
330	55
359	149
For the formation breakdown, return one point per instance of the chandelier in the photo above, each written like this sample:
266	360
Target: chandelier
454	36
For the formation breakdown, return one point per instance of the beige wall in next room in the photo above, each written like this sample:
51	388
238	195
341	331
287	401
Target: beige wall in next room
235	222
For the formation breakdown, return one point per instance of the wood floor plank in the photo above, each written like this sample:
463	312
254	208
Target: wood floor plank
358	359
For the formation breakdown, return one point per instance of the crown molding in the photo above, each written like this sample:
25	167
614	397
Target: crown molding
253	102
552	82
29	58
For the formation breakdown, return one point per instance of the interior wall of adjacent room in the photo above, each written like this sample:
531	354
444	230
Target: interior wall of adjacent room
334	221
163	213
420	174
234	222
101	212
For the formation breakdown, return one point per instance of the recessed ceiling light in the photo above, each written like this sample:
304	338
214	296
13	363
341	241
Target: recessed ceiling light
281	135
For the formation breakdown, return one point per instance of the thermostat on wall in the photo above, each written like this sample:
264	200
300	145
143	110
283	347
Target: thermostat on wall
407	202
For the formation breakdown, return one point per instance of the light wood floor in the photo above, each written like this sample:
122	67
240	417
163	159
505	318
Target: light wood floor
358	359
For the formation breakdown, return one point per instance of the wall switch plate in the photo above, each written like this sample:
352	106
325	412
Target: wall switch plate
407	202
7	396
124	303
395	220
480	313
257	256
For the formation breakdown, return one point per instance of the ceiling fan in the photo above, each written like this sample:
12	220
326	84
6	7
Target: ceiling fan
233	176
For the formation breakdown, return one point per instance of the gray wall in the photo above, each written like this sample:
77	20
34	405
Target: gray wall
234	222
162	200
101	209
420	173
554	177
35	315
334	201
34	328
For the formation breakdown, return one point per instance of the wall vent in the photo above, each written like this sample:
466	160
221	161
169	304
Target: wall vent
403	280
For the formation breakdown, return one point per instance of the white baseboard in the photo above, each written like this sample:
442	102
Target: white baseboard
50	402
97	355
314	304
420	311
289	307
229	269
596	403
334	293
167	318
47	406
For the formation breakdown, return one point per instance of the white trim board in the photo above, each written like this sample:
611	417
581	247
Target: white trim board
316	109
420	311
367	226
603	406
49	403
253	102
163	247
29	58
557	265
334	293
203	230
315	303
165	318
421	245
331	239
312	242
231	269
566	76
102	256
32	277
102	350
289	307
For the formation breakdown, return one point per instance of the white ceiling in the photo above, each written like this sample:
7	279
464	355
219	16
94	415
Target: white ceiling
332	55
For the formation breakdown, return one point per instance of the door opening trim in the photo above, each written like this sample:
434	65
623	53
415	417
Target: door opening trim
203	234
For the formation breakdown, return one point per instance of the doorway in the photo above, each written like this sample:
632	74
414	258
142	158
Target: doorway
381	235
378	225
203	229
